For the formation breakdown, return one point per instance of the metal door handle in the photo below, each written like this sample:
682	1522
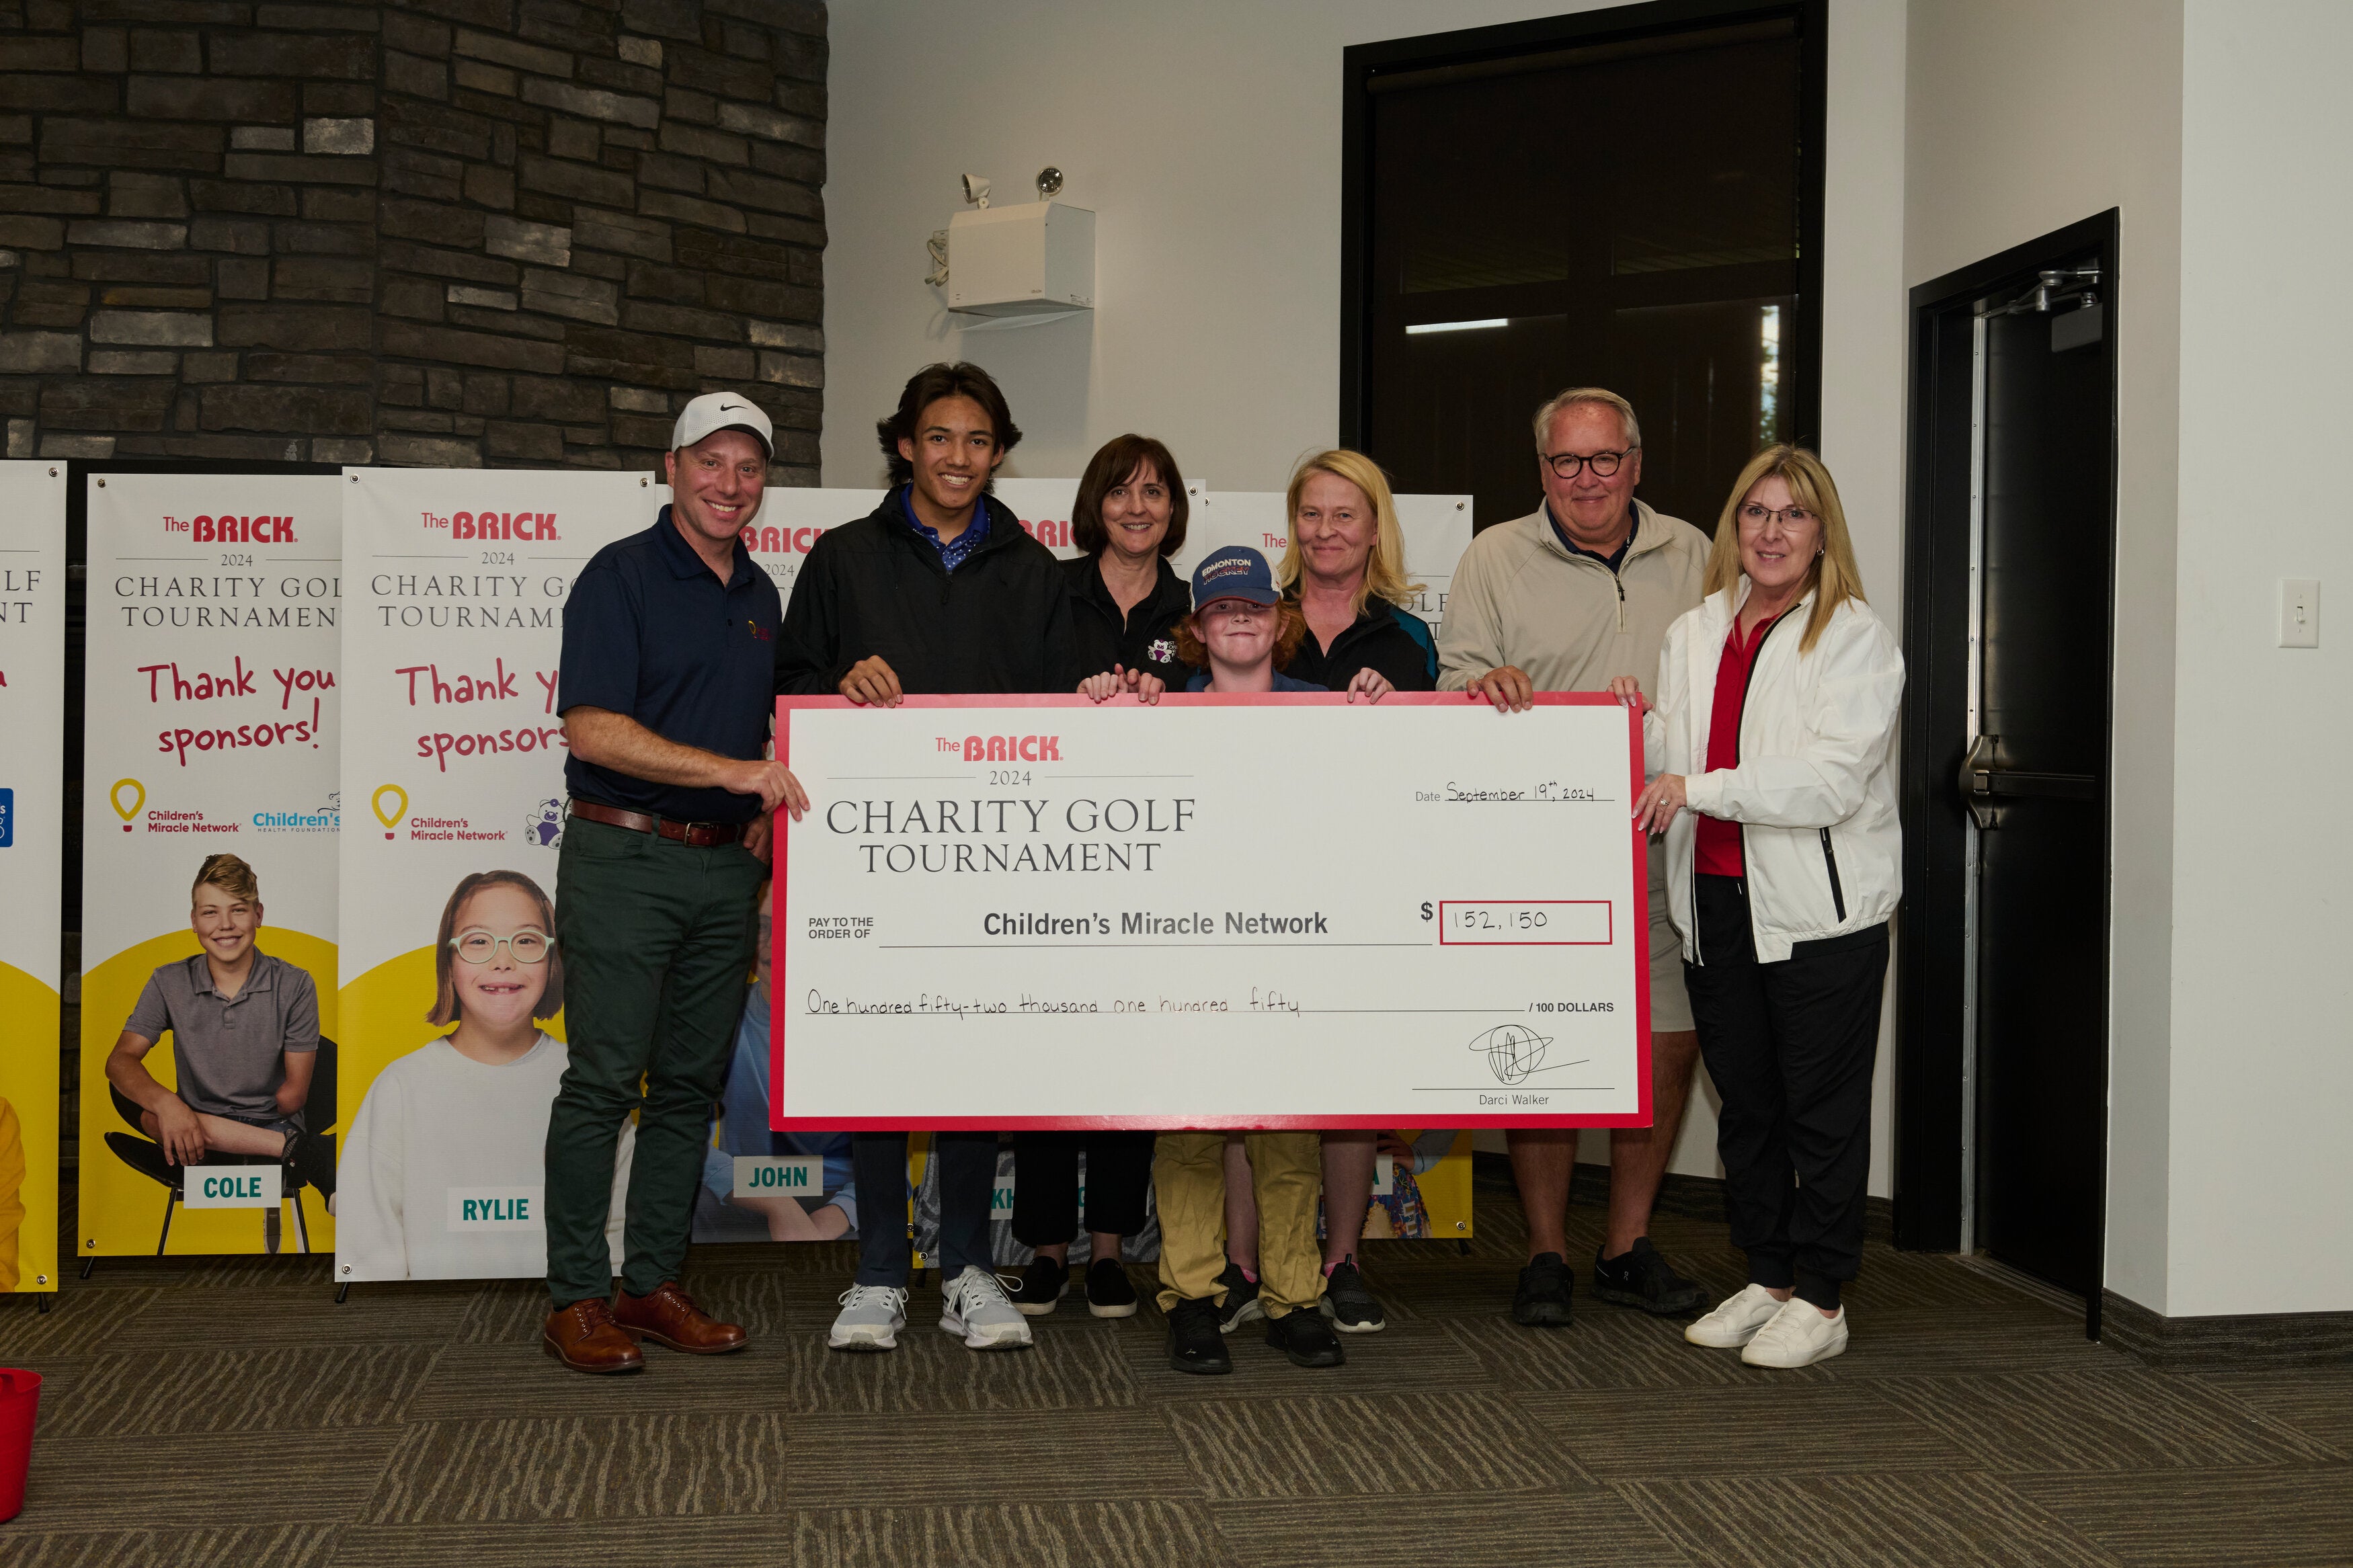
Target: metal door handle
1984	779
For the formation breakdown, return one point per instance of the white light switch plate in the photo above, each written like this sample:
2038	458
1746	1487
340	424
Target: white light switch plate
2300	611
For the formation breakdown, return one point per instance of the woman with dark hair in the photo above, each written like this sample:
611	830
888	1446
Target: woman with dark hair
469	1108
1125	599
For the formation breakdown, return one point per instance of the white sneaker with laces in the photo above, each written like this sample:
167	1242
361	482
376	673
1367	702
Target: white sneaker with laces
974	1304
1799	1335
1736	1320
871	1318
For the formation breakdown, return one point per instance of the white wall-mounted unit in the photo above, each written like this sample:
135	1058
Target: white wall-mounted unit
1020	260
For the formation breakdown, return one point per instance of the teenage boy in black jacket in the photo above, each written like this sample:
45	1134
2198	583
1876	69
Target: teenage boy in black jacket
941	592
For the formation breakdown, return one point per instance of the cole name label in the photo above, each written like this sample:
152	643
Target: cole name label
232	1186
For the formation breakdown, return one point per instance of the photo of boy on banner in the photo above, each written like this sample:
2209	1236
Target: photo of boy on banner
442	1169
244	1027
721	1211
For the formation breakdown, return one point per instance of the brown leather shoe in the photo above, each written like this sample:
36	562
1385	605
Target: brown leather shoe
584	1338
669	1317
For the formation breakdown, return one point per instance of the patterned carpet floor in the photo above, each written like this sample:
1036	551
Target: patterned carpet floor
227	1414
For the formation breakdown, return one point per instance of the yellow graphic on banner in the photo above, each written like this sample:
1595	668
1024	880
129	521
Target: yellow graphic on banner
391	819
138	799
122	1207
29	1132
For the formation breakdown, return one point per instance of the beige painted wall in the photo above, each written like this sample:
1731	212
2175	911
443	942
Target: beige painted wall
1207	137
2262	1055
2025	116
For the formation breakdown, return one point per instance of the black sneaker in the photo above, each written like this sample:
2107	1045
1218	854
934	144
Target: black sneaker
1109	1293
1042	1284
1307	1339
1241	1302
1347	1303
1542	1301
310	1157
1194	1345
1641	1278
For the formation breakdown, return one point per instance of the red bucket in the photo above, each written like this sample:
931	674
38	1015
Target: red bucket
20	1402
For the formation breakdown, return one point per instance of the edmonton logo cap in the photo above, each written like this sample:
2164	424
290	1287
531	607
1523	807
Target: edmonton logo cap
1235	571
722	411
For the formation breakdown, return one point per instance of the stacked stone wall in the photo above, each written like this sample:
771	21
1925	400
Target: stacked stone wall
439	232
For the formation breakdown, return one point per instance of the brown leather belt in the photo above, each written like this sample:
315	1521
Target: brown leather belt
696	835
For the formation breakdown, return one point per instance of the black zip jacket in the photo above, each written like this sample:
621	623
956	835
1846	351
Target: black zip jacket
1144	639
1382	637
1000	623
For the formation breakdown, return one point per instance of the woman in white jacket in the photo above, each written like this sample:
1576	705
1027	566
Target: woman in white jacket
1777	702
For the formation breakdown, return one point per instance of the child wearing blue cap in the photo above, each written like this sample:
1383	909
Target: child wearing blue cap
1242	631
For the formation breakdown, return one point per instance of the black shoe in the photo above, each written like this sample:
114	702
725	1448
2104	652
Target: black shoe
1194	1345
311	1158
1641	1278
1347	1303
1307	1339
1043	1285
1109	1293
1241	1299
1542	1301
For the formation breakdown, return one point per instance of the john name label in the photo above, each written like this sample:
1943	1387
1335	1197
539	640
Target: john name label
768	1175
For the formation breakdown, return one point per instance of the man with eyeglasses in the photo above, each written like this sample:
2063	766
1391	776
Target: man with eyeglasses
670	640
1583	589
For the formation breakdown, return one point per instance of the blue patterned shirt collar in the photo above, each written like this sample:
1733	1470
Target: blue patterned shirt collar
954	553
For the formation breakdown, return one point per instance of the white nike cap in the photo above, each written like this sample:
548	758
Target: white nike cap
722	411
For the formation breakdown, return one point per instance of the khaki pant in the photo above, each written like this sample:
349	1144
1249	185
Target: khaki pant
1188	1183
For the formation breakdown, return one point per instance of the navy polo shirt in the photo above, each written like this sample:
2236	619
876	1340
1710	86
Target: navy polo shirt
650	631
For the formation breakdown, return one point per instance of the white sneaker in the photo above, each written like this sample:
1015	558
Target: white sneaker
1736	1320
871	1318
1799	1335
974	1304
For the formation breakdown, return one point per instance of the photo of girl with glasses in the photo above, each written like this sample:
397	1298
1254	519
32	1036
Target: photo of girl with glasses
462	1121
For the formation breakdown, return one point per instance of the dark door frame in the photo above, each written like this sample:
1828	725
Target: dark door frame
1929	1049
1615	26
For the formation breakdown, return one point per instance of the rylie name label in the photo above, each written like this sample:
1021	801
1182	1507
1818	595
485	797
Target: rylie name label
494	1209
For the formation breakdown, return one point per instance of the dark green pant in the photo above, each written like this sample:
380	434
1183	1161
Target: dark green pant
655	940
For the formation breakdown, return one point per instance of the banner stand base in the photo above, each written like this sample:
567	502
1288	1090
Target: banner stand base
87	1265
340	1291
43	1302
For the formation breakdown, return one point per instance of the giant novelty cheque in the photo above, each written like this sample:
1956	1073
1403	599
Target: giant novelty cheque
212	700
1028	914
32	849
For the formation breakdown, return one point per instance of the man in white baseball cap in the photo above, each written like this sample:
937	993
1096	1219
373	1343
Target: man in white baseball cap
715	411
669	641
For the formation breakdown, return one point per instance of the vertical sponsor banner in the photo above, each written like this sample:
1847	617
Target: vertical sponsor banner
212	698
453	761
32	847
